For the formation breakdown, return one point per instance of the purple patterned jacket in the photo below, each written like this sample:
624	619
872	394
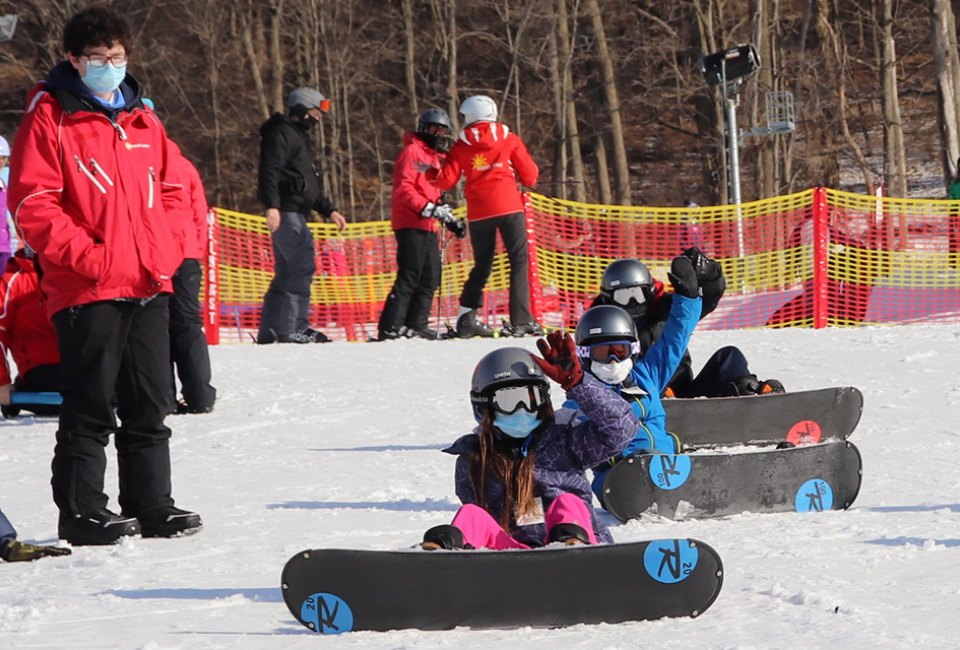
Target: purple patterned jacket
564	451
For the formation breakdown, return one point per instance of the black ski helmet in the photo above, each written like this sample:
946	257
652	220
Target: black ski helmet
623	274
434	117
601	324
499	369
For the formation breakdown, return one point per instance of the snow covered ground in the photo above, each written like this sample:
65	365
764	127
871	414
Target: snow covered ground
338	446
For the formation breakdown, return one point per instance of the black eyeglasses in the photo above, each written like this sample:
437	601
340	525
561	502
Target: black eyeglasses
100	60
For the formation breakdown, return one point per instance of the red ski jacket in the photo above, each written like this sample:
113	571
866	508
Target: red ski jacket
411	189
25	330
492	160
195	230
91	193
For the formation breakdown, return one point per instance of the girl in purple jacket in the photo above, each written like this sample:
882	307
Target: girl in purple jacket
521	475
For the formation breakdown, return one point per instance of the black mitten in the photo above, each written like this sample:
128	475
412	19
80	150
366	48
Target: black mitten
683	276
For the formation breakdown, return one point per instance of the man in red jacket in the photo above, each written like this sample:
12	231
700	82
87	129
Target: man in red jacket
416	208
27	335
492	159
92	195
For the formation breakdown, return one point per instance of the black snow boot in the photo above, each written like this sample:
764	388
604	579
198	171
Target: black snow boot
468	326
96	528
444	537
169	522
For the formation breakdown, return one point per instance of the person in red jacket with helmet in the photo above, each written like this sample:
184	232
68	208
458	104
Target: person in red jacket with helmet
93	195
416	208
27	335
491	159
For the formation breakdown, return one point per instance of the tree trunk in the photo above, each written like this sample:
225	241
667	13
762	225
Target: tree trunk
945	56
603	172
621	168
246	31
410	41
571	127
276	54
895	167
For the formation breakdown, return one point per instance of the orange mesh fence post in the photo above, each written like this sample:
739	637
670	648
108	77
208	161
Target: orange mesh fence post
211	325
820	244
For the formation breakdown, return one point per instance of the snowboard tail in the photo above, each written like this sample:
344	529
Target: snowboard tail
803	479
331	591
803	417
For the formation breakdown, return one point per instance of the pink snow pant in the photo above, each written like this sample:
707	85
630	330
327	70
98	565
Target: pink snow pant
481	530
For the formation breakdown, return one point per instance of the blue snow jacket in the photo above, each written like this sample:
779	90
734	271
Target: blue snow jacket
642	389
563	453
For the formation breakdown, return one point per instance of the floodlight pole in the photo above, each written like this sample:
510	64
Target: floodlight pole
730	100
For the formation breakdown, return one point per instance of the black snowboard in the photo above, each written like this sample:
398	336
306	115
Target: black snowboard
803	417
334	590
691	486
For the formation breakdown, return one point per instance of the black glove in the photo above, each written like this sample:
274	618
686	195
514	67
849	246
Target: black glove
560	361
15	551
457	226
708	270
683	276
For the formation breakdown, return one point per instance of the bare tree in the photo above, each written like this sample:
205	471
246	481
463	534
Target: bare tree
944	40
895	166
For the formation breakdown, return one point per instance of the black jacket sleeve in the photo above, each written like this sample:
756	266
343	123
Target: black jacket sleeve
275	150
324	206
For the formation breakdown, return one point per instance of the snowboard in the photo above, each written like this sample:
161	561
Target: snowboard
810	478
803	417
335	590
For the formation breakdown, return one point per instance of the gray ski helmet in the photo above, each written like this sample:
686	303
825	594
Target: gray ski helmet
306	98
625	273
605	323
432	116
499	369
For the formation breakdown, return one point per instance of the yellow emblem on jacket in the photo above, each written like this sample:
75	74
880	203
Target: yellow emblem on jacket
480	162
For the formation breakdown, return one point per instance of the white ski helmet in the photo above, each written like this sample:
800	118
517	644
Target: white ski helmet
478	108
4	146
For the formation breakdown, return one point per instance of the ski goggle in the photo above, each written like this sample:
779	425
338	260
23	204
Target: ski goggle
624	295
509	400
603	352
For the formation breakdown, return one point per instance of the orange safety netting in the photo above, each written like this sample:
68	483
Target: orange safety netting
814	258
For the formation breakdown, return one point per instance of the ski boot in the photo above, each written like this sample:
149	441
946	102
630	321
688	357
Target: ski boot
533	328
468	326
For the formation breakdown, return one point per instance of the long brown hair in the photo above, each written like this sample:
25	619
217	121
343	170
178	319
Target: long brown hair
501	461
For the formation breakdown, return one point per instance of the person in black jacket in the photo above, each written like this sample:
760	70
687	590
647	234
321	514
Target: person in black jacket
288	185
628	283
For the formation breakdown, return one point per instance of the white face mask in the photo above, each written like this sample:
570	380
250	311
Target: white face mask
611	373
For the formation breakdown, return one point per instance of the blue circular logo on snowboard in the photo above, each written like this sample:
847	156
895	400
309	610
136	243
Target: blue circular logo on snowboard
326	614
669	471
815	495
670	560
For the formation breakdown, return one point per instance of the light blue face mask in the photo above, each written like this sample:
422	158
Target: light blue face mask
104	79
517	425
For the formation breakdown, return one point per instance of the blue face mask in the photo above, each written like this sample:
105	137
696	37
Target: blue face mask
104	79
517	425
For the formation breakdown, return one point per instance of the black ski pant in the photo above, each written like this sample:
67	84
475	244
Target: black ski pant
483	239
120	345
188	343
418	277
286	305
714	380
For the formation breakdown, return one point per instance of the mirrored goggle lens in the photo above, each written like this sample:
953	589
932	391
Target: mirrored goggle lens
508	400
603	352
623	295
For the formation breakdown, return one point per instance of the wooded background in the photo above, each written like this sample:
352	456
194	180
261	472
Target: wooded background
607	94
